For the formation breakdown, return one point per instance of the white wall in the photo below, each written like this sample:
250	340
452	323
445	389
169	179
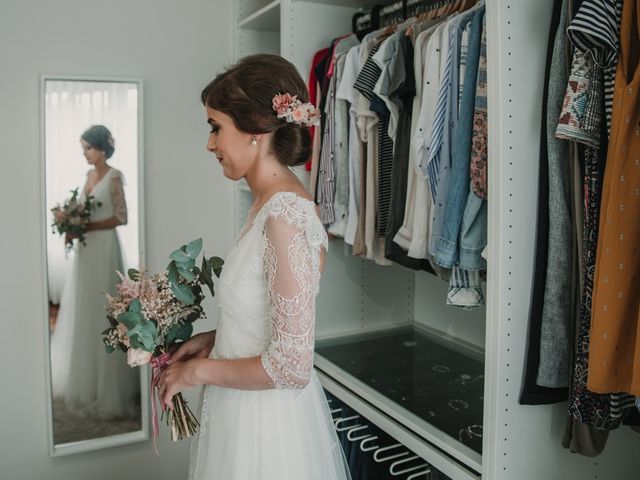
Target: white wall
175	47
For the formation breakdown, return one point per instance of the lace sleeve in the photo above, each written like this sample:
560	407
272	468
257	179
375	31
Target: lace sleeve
292	269
117	196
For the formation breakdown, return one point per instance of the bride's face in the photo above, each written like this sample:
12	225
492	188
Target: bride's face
93	155
232	147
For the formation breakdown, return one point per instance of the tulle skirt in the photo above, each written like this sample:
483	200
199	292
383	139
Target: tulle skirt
83	374
267	435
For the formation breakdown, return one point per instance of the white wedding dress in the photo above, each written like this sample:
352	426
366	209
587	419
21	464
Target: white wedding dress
83	374
266	295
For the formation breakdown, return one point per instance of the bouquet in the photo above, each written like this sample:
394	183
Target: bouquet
72	217
152	312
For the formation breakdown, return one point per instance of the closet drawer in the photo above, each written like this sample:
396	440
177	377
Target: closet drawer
372	454
424	391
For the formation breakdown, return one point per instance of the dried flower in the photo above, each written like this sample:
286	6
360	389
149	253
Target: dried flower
137	357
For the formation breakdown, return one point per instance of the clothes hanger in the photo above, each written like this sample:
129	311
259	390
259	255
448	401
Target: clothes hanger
378	458
395	470
338	423
424	11
415	476
364	442
354	20
351	433
374	22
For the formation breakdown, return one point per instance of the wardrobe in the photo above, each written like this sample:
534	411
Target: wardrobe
363	306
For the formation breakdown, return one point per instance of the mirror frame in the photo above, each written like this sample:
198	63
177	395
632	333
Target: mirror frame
143	434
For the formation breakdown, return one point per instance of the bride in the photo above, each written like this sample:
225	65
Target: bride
264	413
83	374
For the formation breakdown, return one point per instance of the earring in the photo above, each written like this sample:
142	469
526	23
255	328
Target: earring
254	140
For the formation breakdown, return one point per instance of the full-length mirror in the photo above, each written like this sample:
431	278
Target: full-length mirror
93	215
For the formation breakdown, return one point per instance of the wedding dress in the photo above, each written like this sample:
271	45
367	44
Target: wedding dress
83	374
266	295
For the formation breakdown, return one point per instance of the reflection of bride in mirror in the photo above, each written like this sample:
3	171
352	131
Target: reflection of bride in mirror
83	374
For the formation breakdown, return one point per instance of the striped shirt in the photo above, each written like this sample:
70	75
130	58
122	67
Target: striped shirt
365	83
326	169
595	29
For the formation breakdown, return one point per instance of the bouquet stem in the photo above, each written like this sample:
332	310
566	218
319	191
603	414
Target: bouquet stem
181	420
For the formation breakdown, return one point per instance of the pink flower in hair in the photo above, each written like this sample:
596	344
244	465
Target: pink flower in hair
292	110
298	114
282	103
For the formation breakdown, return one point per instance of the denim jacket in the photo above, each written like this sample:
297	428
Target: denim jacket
457	217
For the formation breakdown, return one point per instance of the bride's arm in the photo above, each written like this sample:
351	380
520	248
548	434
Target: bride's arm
116	190
292	274
107	224
240	373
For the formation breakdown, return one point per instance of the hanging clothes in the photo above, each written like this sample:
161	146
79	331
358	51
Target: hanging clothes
341	141
318	67
385	110
555	339
402	91
532	393
614	355
583	120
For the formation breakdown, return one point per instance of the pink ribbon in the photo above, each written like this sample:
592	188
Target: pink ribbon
158	364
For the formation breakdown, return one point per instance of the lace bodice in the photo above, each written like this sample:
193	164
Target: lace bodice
268	287
109	191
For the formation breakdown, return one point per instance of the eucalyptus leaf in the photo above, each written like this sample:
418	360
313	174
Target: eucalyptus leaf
183	293
133	274
188	265
148	344
136	330
135	306
133	341
216	263
151	327
185	331
170	336
186	274
194	248
172	273
179	256
130	319
205	276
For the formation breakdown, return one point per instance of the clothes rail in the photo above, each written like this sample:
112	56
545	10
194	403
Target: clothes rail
397	12
403	463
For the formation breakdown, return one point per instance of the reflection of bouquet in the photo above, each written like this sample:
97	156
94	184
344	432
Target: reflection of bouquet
72	217
151	312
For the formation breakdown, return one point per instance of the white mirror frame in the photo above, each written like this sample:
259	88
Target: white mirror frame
112	440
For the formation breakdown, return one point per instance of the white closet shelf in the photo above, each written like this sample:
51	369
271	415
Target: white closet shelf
427	373
266	19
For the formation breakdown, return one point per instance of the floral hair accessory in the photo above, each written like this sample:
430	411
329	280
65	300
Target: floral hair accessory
293	110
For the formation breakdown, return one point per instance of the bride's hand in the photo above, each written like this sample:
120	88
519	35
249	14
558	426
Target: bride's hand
198	346
177	377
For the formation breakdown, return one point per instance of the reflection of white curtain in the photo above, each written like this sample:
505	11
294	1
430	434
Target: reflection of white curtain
70	108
